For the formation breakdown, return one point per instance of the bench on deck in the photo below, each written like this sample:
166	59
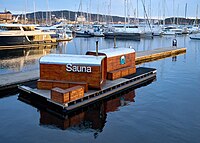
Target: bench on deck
112	75
65	95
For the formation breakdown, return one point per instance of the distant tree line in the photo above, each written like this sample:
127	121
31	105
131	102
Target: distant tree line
71	16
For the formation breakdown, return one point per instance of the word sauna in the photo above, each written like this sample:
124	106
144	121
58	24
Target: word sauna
76	68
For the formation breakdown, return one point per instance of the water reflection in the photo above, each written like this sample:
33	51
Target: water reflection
174	58
61	48
91	118
16	60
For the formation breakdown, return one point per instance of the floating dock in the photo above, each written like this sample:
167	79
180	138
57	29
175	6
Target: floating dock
27	46
13	79
156	54
7	81
111	87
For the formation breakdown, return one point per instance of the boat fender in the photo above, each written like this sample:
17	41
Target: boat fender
174	43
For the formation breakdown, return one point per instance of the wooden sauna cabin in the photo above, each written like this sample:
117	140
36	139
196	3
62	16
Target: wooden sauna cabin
65	71
120	61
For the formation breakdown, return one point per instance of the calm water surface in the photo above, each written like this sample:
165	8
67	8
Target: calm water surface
166	110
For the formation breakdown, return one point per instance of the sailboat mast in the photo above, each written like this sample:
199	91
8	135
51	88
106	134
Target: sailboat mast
197	14
173	13
145	14
98	11
42	18
34	11
177	15
81	8
87	19
164	12
137	10
150	13
90	7
185	12
125	9
25	11
110	12
69	16
47	13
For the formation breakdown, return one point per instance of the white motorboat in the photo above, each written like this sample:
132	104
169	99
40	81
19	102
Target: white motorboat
17	34
195	36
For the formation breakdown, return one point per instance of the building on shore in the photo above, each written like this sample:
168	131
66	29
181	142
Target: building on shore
5	16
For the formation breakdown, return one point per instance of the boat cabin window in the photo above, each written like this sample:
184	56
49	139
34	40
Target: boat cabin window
127	26
132	26
37	29
27	29
59	27
119	26
5	28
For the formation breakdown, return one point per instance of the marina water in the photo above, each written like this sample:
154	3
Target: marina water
166	110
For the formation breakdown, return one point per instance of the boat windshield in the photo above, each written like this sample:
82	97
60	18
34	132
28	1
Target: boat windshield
5	28
27	28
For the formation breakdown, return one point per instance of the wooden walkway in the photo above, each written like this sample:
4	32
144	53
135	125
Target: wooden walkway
27	46
156	54
14	79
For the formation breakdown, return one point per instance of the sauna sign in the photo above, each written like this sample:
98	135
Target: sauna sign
78	68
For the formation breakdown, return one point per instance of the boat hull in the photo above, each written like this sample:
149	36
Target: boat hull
13	40
195	38
83	34
122	35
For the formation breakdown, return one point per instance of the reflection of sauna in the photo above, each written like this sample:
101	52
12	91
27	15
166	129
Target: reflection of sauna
123	100
49	119
94	117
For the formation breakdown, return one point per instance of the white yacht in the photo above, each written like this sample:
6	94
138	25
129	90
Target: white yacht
195	36
123	32
84	31
19	34
171	30
98	30
61	32
193	29
157	30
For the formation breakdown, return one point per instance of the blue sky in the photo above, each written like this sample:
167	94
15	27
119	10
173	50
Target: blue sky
101	6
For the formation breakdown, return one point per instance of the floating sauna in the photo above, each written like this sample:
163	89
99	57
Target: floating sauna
73	81
68	75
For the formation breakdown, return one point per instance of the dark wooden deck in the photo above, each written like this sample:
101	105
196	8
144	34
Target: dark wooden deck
111	87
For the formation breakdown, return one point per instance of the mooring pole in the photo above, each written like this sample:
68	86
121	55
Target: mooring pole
114	41
97	47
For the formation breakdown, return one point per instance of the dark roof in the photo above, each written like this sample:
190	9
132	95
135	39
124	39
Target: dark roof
7	12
